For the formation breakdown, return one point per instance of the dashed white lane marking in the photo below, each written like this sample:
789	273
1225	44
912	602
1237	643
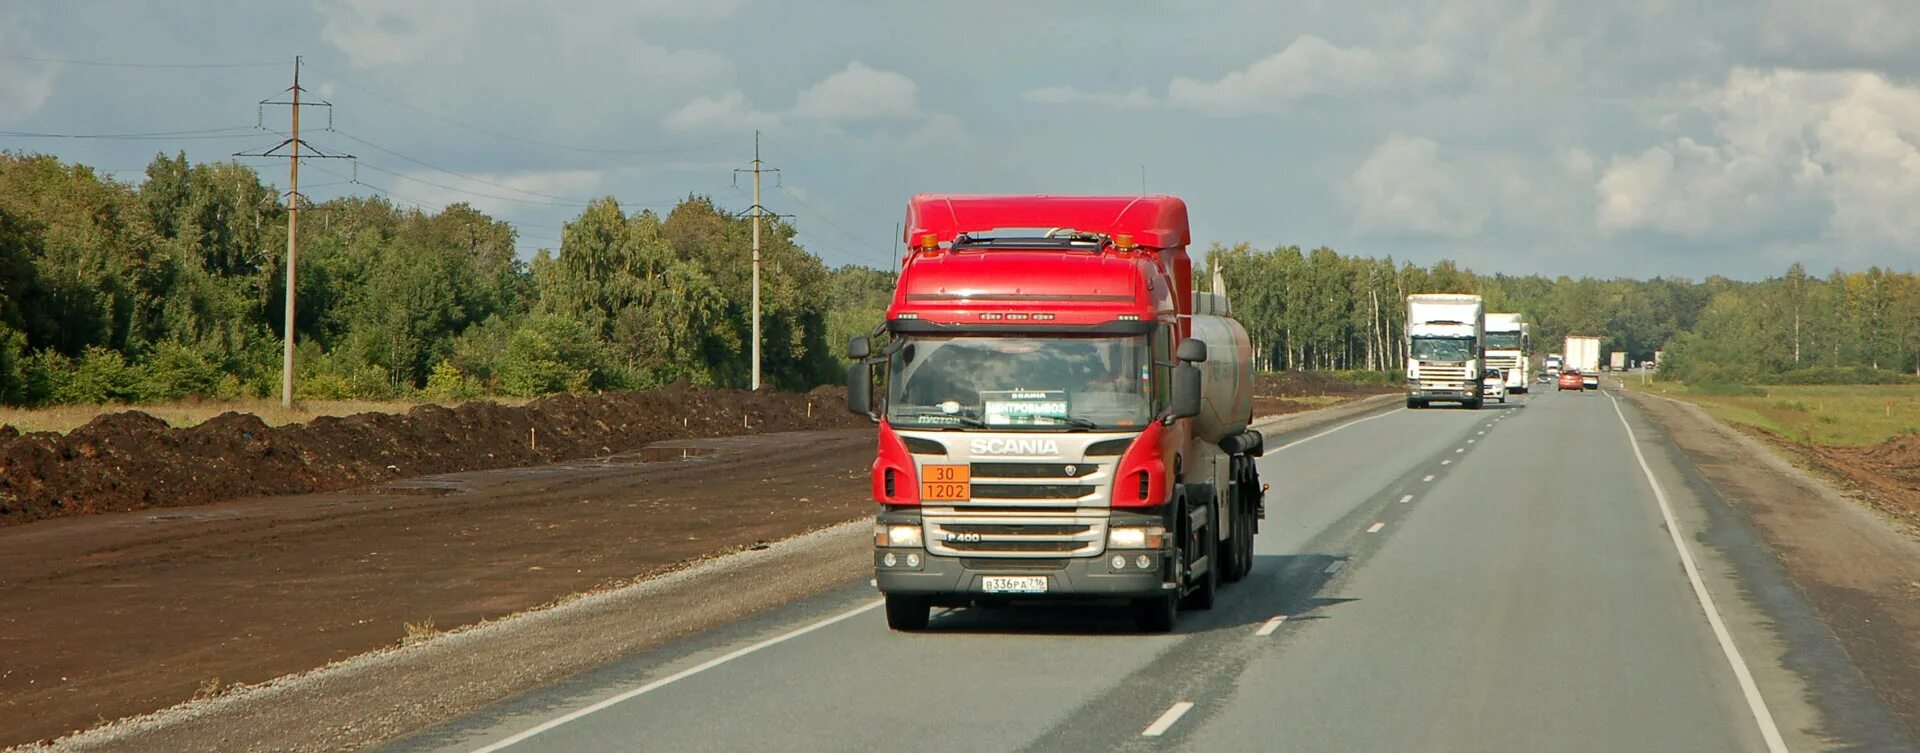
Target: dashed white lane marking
1267	628
1334	566
1769	731
676	677
1471	441
1483	433
1160	726
1305	440
1460	449
1375	528
1428	478
1406	498
1446	462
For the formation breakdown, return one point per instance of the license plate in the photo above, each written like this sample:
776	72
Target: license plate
1006	584
946	483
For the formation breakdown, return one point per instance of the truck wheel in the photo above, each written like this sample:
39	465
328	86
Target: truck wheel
1153	614
908	613
1203	593
1473	404
1413	404
1232	560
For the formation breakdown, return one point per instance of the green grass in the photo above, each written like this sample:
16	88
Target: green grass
1849	415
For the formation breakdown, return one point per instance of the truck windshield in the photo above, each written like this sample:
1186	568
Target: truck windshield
1503	341
1020	382
1442	348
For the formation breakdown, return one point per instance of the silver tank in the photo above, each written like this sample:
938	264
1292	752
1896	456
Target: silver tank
1226	379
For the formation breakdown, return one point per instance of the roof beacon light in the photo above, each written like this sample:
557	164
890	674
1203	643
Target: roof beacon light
930	242
1123	241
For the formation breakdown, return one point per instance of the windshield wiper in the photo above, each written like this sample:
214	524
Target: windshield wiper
1074	421
962	419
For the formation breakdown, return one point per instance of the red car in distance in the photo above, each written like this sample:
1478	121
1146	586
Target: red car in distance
1570	380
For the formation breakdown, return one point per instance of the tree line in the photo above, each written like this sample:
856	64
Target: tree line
172	288
1321	309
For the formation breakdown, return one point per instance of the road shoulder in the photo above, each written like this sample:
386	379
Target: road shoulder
1833	584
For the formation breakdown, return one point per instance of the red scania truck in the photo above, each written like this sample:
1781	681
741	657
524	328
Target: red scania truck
1060	416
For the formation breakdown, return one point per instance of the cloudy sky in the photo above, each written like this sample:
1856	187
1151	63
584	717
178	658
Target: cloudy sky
1633	138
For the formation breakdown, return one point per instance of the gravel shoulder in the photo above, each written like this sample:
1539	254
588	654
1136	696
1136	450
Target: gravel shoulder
1859	570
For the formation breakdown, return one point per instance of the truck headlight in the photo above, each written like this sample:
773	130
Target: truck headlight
1136	537
885	535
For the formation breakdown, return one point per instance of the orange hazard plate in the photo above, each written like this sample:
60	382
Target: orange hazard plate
946	483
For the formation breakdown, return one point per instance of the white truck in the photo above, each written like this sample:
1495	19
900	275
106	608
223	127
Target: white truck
1508	344
1553	364
1446	349
1583	355
1617	360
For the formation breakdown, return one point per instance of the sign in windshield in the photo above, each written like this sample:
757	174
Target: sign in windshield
1020	382
1442	348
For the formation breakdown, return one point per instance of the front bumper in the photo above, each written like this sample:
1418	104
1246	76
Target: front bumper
1069	578
1440	392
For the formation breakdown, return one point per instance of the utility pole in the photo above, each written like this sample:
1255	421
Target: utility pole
292	145
757	211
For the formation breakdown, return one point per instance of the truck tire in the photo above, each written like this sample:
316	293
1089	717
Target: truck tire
1473	404
908	613
1203	594
1232	559
1153	614
1413	404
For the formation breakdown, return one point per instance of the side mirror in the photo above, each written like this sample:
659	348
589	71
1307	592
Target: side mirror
1186	389
858	347
1192	350
860	387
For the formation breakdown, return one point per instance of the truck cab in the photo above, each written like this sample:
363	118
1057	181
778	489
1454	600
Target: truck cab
1059	416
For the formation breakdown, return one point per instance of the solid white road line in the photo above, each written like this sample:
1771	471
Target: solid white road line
1267	628
1160	726
1406	498
1375	528
1755	703
1429	478
676	677
1305	440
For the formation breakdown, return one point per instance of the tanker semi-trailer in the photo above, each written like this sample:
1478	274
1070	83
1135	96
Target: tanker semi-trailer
1060	416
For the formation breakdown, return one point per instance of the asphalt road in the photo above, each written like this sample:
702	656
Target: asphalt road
1437	580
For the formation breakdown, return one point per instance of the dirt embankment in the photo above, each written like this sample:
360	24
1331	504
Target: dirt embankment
133	461
1278	393
1887	475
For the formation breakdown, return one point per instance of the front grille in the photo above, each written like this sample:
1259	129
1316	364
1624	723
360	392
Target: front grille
1050	547
1029	529
1031	491
1007	533
1033	470
1006	564
1442	373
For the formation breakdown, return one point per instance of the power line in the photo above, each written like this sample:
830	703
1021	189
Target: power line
115	64
201	133
822	215
463	176
508	136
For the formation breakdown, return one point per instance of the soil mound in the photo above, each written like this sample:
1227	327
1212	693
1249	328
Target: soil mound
131	460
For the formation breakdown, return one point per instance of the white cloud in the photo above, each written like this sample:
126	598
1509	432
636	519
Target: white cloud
25	85
859	93
1791	155
1404	188
377	33
855	94
1307	67
729	111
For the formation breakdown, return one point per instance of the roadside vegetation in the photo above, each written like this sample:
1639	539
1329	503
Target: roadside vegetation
1828	415
169	289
